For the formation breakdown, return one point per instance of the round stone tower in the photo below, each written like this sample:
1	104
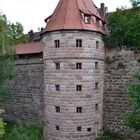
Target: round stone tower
73	71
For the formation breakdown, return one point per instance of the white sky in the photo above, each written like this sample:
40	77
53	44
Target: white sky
31	13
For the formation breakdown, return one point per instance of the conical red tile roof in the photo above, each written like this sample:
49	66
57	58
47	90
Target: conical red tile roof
69	15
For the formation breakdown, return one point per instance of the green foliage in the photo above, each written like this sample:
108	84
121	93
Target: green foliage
22	132
109	136
124	28
10	34
135	3
133	118
2	125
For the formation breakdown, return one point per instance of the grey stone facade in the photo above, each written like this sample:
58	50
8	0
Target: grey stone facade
26	103
116	103
61	98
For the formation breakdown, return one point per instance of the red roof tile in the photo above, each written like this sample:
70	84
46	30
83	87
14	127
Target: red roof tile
30	48
68	15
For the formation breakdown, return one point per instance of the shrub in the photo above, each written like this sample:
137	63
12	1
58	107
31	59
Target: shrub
2	125
23	132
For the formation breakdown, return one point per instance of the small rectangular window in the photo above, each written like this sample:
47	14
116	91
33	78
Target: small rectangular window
96	107
89	129
57	87
96	65
57	66
57	108
78	65
79	43
57	43
97	85
79	128
87	19
57	128
79	109
97	44
79	87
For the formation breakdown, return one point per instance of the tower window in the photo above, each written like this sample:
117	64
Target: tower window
57	87
57	43
79	109
79	87
57	108
89	129
97	85
96	65
97	44
79	128
78	65
96	107
87	19
57	128
79	43
57	65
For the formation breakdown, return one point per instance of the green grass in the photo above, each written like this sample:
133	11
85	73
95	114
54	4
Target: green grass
110	136
22	132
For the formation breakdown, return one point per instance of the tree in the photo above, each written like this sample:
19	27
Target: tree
135	3
10	34
133	118
124	28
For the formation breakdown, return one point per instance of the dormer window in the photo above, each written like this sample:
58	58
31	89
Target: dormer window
101	23
87	19
104	26
94	19
97	22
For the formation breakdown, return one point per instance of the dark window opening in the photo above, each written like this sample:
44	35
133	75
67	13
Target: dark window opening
79	109
79	128
96	85
79	88
78	65
57	65
96	65
57	108
96	107
57	87
57	128
87	19
97	44
89	129
79	43
57	43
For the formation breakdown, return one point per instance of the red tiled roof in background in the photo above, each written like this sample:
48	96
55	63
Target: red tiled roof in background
68	15
30	48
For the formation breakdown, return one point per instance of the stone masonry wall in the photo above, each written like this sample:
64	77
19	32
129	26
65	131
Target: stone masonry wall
118	73
63	124
26	103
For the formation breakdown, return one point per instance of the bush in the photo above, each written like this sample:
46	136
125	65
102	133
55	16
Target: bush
109	136
2	125
22	132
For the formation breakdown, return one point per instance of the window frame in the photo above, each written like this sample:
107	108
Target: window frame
79	43
78	65
57	66
57	87
57	109
79	128
57	43
78	87
79	109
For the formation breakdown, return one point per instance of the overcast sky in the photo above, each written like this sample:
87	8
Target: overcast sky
31	13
